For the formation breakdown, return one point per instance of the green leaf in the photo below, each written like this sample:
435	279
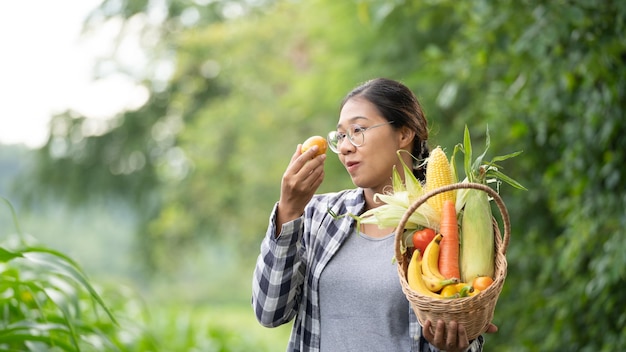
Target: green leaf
396	181
482	171
48	333
479	160
65	266
411	183
7	255
507	179
467	150
505	157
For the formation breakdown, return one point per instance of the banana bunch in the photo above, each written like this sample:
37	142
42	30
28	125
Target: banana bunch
423	273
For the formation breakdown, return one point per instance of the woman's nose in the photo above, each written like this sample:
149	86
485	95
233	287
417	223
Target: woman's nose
345	146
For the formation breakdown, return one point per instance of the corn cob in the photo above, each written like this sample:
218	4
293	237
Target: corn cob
438	174
477	251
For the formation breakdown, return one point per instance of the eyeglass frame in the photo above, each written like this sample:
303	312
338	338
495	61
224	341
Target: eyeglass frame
335	148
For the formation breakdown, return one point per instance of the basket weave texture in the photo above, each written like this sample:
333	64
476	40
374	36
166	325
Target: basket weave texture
475	312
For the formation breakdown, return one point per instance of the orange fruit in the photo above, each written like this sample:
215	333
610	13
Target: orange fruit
482	282
319	141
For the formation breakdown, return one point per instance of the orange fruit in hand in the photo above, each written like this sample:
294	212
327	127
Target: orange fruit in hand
320	142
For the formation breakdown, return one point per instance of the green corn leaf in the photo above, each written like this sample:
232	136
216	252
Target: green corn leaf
467	151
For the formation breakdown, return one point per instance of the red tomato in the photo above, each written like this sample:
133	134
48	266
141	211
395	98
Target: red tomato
422	238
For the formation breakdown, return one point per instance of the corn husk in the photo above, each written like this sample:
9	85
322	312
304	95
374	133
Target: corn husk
477	251
396	203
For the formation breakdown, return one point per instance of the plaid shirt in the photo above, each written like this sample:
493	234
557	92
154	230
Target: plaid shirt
288	269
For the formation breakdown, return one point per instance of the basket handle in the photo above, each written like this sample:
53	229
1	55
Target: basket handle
479	186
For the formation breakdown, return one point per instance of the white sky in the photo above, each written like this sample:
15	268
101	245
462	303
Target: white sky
46	68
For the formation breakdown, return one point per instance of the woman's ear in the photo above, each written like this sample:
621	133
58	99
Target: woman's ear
405	137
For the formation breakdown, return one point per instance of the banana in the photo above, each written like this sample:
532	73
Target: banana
430	262
414	276
435	284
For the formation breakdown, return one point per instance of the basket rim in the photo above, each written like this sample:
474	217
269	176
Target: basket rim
506	222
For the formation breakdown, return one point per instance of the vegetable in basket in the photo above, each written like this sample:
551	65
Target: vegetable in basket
421	239
449	252
397	201
439	174
477	248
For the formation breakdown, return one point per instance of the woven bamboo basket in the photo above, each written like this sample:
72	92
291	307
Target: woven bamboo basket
475	312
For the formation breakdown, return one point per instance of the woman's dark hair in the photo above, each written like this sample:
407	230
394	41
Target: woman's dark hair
397	103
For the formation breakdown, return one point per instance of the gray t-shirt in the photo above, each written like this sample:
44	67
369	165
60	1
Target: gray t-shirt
362	306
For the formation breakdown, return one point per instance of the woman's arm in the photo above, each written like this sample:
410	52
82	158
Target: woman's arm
279	274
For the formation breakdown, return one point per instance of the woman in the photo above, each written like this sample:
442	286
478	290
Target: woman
337	281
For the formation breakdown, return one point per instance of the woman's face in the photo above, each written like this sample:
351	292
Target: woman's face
369	165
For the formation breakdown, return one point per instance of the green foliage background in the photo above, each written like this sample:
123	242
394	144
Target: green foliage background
200	163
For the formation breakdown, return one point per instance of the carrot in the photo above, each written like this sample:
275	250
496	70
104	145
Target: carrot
449	245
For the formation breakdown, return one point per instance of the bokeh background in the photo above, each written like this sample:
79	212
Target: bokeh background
157	176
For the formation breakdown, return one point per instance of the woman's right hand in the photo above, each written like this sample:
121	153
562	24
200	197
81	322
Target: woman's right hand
451	337
299	183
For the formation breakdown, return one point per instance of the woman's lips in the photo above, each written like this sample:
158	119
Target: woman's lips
352	166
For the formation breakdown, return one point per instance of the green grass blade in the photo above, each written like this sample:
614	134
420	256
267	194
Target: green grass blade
63	265
14	215
7	255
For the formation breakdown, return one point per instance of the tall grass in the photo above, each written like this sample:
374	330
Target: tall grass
47	303
45	298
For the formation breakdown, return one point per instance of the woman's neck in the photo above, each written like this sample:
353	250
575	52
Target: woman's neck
373	230
368	193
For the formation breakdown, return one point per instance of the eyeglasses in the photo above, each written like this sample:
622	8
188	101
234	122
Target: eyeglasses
355	134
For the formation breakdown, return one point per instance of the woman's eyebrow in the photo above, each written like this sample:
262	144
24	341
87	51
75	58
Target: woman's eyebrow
353	120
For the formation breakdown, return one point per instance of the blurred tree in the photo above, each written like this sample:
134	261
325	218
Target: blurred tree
191	157
548	78
252	79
